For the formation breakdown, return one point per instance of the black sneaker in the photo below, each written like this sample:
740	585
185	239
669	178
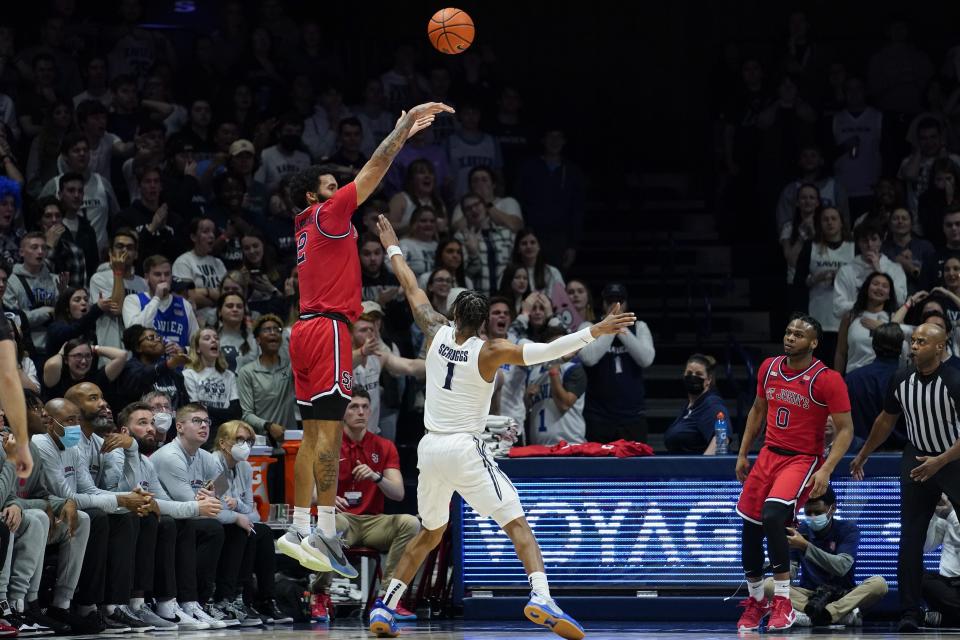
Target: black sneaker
81	625
218	613
910	622
26	627
33	614
112	626
272	611
124	617
251	617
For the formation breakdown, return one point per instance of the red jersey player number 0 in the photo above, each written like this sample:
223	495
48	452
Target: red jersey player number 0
783	417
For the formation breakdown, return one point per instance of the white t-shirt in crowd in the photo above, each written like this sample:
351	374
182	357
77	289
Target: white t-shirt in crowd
419	254
823	258
211	387
205	272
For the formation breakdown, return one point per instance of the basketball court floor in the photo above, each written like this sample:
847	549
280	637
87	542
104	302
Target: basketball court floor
521	630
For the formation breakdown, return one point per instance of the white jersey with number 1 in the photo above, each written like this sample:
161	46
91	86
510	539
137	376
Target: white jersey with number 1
457	396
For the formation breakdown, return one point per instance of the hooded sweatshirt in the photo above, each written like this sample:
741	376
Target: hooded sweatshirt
41	291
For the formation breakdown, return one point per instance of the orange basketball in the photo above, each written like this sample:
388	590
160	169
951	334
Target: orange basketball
450	30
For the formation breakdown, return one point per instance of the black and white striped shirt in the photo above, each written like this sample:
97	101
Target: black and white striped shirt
930	405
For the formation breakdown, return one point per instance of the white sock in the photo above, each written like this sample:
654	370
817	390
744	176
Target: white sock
539	585
109	608
756	589
394	592
61	603
781	588
167	608
86	609
301	520
327	521
136	604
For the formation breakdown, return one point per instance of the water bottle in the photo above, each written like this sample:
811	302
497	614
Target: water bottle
721	430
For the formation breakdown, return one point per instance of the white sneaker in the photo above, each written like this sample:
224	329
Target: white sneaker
146	614
803	620
195	611
290	545
186	622
852	619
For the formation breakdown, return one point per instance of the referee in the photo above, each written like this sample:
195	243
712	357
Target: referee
928	393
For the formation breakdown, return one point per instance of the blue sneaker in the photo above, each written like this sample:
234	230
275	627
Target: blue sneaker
545	612
382	622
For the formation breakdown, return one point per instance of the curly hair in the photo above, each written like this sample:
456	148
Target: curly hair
470	311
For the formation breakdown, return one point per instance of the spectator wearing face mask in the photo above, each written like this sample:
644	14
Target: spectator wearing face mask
693	430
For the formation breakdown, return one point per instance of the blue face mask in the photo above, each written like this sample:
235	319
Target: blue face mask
71	436
818	522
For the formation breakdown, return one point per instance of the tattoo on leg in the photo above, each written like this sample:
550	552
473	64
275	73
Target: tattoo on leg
325	471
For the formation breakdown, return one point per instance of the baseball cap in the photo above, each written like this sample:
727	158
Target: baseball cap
241	146
614	291
371	307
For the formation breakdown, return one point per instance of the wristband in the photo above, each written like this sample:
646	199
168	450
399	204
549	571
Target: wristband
378	480
393	250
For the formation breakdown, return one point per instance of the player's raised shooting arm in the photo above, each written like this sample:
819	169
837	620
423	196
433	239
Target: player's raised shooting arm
410	123
424	314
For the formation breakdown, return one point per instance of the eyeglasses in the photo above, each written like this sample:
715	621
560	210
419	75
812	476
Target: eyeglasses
162	408
251	441
151	337
201	422
81	356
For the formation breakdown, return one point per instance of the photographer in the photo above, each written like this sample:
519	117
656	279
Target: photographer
824	550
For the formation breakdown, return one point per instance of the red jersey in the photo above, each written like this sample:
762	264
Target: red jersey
799	402
328	263
376	452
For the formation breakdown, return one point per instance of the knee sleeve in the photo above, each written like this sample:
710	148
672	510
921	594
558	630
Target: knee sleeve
751	550
776	515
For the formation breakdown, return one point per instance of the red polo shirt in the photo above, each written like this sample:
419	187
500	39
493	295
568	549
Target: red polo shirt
377	453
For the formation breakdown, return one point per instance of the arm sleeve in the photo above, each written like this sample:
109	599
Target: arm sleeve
639	344
538	352
245	391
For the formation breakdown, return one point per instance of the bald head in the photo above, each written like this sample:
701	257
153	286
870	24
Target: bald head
933	333
927	347
94	412
63	411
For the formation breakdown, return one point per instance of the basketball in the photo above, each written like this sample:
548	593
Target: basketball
450	30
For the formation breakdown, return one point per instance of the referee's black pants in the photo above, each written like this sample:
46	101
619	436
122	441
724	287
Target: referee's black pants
918	502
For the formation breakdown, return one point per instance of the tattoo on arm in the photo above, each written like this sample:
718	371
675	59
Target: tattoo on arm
428	320
392	144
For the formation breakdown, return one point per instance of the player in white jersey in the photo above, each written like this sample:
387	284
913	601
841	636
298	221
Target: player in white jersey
461	368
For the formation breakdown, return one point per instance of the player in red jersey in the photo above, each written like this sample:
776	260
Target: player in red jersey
328	267
796	393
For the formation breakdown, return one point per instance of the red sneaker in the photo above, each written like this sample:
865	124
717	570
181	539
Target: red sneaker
754	611
318	607
782	615
7	630
402	613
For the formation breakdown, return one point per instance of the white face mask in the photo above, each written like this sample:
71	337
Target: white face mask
162	422
240	452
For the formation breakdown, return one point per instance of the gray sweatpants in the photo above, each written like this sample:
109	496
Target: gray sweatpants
23	569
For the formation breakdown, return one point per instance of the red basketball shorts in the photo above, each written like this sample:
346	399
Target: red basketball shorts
321	355
778	478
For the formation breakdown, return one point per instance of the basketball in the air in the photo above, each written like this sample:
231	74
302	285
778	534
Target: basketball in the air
450	30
